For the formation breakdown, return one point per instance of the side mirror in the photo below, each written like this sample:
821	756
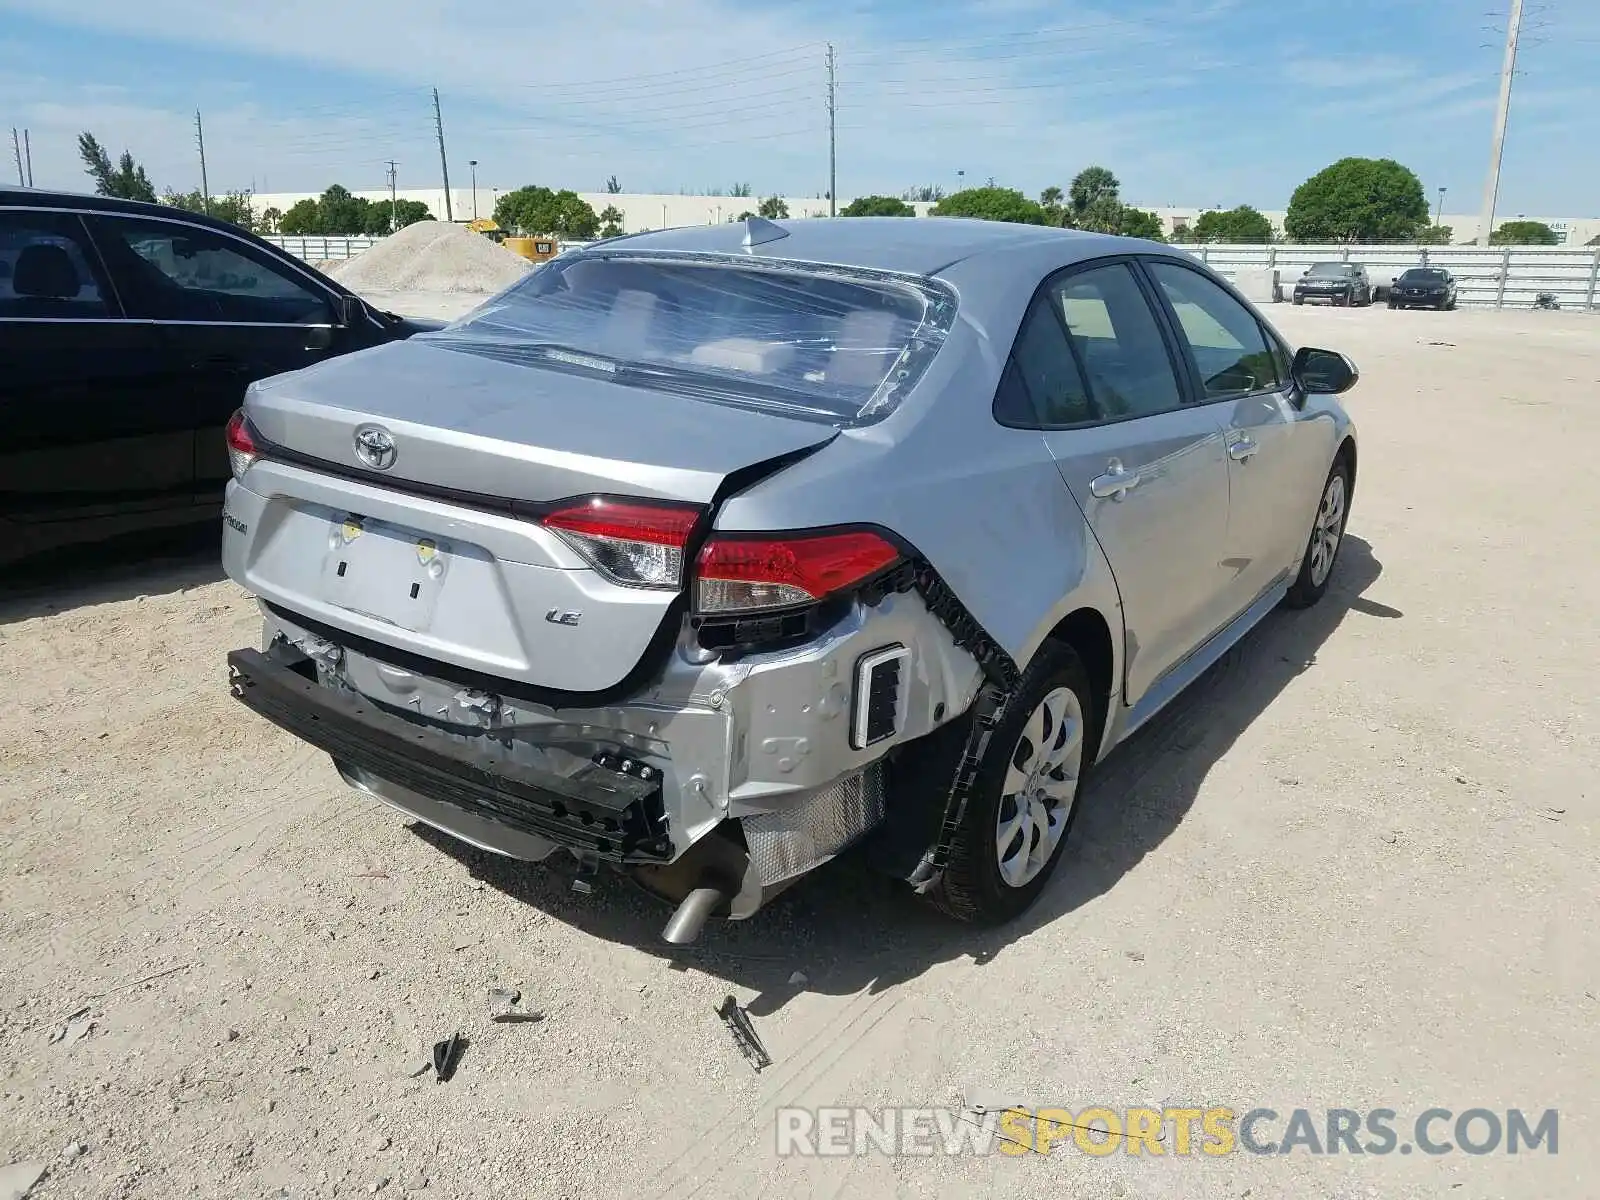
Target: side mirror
345	311
1323	372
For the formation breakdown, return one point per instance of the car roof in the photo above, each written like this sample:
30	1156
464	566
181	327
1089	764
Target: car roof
13	196
915	245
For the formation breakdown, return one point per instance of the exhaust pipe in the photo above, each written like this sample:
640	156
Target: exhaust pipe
690	916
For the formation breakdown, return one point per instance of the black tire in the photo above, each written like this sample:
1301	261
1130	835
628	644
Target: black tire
1307	589
1450	305
1299	299
972	888
1393	305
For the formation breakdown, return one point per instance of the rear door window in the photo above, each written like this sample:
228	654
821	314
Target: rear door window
48	270
171	271
1126	366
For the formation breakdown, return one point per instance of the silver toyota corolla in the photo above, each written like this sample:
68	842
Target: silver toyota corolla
707	553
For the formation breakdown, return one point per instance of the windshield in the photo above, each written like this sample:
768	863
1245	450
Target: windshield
1336	270
1423	275
834	344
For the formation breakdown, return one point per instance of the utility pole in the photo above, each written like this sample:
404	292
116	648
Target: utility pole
473	163
833	143
444	163
27	153
16	147
1491	190
394	199
1438	220
200	139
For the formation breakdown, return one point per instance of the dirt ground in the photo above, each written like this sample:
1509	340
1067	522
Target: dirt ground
1355	867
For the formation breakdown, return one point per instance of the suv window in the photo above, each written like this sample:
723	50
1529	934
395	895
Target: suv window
176	272
1118	342
45	268
1226	341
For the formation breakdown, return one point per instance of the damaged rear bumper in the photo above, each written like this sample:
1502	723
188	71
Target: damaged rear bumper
610	810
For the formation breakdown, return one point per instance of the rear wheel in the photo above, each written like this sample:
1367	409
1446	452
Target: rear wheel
1327	536
1024	795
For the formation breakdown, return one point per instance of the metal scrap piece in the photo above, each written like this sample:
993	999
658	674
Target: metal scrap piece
446	1056
744	1033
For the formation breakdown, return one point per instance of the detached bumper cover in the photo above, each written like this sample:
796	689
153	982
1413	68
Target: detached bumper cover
600	810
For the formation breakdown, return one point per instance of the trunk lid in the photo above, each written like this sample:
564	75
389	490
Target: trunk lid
472	423
426	580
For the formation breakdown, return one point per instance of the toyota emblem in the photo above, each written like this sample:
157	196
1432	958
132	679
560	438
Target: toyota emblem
375	447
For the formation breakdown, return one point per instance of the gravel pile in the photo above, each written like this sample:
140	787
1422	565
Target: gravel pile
434	256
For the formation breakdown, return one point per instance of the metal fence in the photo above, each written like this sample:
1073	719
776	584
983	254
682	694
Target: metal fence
316	249
1486	276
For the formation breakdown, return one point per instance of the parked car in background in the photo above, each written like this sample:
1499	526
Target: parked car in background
737	544
1424	287
1334	283
128	334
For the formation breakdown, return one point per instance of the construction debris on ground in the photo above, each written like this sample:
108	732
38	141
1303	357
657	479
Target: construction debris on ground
432	256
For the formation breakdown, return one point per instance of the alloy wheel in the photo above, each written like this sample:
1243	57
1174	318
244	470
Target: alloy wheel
1040	787
1329	529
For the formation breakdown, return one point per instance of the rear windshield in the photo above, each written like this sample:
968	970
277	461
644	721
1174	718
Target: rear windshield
1335	269
1423	275
831	344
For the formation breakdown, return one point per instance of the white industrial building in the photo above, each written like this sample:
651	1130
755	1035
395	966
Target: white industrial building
642	211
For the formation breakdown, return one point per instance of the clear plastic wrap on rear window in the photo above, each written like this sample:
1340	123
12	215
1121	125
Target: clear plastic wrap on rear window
836	344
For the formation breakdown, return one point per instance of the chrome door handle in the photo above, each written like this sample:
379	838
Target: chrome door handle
1115	483
1243	448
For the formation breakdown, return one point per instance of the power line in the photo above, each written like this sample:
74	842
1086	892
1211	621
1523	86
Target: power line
1497	144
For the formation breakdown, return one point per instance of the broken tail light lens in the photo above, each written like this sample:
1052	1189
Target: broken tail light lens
634	543
739	573
242	448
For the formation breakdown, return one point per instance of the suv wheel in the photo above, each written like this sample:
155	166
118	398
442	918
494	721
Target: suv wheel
1327	536
1025	794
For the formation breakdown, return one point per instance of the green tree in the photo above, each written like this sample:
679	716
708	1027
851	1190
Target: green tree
992	204
926	193
1182	235
1136	222
1051	200
1524	233
741	190
773	208
126	180
1242	226
610	221
536	210
1095	194
270	220
1436	235
877	206
1358	200
613	188
303	218
339	213
383	217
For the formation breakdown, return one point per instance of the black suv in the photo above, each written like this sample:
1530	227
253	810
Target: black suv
128	333
1424	287
1334	283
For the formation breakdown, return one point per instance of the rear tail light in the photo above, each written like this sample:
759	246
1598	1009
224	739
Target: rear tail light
634	543
242	448
742	573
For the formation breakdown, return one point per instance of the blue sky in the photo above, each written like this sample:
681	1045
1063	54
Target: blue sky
1210	102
